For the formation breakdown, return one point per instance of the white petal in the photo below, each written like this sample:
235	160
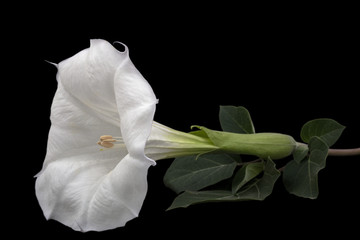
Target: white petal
97	196
76	128
79	185
89	77
136	102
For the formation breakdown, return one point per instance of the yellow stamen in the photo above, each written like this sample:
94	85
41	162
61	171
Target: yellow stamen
106	141
104	137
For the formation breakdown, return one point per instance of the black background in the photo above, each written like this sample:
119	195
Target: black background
285	64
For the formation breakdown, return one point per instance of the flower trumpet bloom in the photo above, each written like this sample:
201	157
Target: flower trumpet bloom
102	96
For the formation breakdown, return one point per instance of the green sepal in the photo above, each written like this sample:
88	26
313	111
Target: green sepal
263	145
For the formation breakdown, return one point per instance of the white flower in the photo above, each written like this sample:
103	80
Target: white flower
102	95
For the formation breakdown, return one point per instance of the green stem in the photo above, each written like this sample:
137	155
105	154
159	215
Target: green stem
344	152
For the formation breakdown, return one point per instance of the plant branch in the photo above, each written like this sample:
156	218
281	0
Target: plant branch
344	152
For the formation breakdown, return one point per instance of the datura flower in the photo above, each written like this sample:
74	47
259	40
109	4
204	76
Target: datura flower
103	140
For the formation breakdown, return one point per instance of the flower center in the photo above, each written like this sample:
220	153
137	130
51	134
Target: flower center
109	141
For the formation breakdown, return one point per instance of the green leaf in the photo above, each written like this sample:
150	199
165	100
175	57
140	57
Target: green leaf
190	197
196	172
236	120
257	189
327	129
245	174
301	178
260	188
